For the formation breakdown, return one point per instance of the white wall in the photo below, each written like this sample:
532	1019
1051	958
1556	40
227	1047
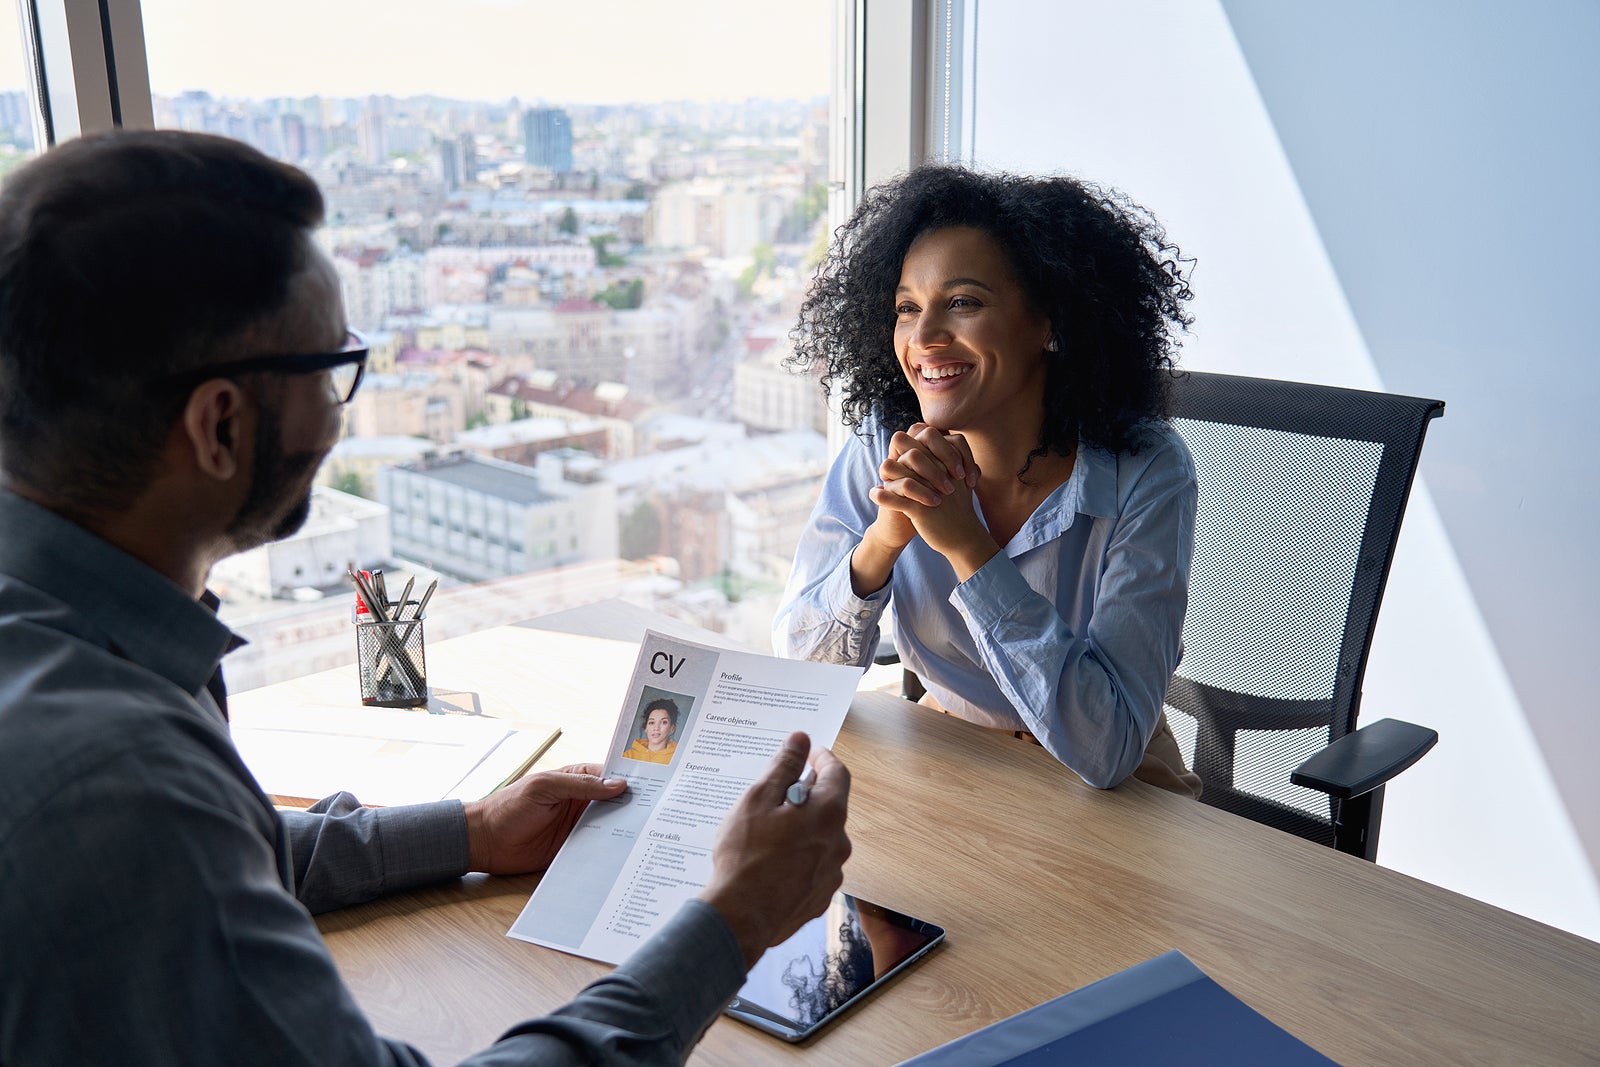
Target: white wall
1157	99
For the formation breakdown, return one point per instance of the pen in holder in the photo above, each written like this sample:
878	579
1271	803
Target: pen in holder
389	655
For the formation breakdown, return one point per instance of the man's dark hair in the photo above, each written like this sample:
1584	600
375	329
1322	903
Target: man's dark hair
668	706
1097	265
126	258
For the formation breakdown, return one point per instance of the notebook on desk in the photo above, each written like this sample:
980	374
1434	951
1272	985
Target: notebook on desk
1162	1011
383	756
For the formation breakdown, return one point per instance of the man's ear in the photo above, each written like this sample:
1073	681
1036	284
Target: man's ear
213	426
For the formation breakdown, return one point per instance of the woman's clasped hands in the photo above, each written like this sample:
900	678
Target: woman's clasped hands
927	489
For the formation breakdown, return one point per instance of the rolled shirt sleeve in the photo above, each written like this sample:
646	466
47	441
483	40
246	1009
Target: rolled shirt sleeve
821	617
1092	694
345	854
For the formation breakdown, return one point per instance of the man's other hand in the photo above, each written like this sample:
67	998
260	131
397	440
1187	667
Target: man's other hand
519	829
776	865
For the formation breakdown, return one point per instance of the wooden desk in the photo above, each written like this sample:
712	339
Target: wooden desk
1045	885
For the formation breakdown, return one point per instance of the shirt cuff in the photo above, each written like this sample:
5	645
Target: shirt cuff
849	609
692	967
655	1006
857	617
422	843
992	593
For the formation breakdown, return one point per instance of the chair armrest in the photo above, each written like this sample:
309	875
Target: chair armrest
1362	761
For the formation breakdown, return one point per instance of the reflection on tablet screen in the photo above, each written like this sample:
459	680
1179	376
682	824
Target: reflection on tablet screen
828	963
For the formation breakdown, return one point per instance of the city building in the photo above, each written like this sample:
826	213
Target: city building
543	392
547	139
408	404
378	284
354	463
523	440
768	395
586	341
479	518
341	528
728	506
725	218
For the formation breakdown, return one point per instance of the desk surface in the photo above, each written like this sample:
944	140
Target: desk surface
1044	885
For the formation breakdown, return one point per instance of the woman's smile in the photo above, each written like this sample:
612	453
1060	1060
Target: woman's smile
967	338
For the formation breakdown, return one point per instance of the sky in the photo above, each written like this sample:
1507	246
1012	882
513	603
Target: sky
594	51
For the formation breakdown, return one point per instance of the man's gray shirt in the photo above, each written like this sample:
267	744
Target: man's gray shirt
153	904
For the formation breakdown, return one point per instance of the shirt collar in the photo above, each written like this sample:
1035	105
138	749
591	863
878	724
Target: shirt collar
1091	489
142	615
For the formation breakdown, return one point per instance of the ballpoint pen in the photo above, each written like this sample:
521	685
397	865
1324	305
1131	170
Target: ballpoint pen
391	645
416	616
416	620
800	791
404	593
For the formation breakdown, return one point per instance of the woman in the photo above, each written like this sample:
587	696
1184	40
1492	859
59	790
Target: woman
657	744
1003	347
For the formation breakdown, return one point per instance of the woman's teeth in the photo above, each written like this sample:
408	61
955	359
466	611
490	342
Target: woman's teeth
934	374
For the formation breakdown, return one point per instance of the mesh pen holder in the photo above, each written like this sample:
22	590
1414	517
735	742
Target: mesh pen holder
394	671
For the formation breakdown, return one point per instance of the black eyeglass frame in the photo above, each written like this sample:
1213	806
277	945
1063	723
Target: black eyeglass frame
356	349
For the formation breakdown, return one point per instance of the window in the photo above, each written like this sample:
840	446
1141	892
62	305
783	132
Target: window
16	103
572	258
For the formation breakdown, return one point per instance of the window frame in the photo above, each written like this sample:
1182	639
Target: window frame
87	70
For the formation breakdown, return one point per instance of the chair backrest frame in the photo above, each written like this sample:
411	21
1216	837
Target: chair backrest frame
1398	424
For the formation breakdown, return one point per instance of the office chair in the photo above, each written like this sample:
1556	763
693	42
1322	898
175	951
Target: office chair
1301	492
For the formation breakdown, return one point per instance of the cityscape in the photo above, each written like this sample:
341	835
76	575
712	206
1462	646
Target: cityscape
576	390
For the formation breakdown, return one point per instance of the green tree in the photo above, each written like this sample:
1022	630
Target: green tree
764	259
640	535
519	408
803	214
602	251
349	482
478	421
623	296
569	222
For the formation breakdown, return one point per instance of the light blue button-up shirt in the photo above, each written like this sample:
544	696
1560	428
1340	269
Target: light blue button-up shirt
1072	632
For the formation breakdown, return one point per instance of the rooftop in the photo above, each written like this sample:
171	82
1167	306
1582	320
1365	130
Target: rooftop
507	481
527	431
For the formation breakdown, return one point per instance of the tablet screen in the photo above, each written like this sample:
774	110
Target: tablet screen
831	963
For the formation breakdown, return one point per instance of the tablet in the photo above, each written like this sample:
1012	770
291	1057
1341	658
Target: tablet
834	961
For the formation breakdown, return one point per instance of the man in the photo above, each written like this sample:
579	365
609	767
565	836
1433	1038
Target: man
173	355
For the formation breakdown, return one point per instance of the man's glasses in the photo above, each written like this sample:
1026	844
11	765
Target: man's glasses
345	367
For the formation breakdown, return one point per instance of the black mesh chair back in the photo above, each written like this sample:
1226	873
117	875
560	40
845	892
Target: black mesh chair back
1302	489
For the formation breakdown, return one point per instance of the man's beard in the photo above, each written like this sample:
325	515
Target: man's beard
279	500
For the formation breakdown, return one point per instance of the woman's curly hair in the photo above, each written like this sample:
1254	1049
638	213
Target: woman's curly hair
1097	264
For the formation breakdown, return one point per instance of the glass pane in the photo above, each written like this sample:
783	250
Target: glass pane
577	236
16	110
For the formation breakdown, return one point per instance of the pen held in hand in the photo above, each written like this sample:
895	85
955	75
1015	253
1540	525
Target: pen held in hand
800	791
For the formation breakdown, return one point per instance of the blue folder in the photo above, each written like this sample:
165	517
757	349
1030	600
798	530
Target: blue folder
1161	1011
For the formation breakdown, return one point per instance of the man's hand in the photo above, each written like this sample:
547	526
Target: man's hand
776	865
519	829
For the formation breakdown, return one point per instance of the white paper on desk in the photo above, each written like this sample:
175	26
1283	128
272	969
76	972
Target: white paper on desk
631	863
383	756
